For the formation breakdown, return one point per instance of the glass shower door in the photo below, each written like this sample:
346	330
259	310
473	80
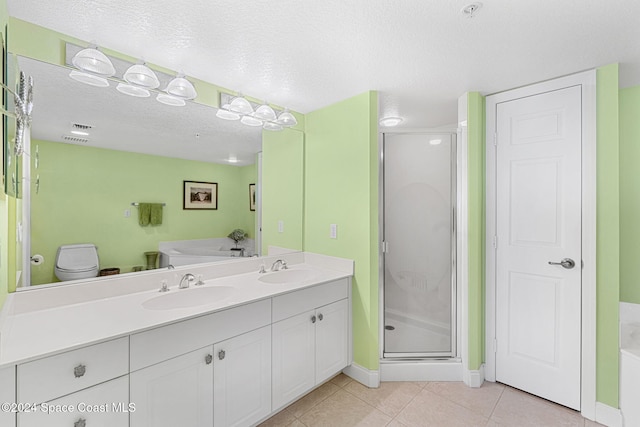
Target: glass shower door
419	241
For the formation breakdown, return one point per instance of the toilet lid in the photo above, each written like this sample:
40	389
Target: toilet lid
77	258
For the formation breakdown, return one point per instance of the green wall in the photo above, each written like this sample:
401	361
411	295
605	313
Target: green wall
607	236
282	189
476	207
85	191
341	187
630	195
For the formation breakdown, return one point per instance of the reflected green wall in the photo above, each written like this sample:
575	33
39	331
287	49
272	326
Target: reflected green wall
4	200
630	195
282	189
85	191
341	187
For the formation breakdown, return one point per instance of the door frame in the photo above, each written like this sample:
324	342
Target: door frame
587	81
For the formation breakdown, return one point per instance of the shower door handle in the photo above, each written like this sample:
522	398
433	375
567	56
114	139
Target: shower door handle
567	263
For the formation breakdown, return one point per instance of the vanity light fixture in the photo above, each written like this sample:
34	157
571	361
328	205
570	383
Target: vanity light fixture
141	75
272	126
390	121
265	112
225	114
91	60
170	100
132	90
251	114
286	119
240	105
89	79
250	121
180	87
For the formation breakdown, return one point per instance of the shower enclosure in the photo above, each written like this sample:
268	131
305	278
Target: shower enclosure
418	198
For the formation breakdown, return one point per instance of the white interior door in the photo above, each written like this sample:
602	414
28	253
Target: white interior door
538	221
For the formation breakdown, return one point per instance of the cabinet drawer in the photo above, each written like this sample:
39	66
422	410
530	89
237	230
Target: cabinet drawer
104	405
8	394
55	376
157	345
297	302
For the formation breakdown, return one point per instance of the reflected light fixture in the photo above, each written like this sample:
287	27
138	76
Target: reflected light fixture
141	75
265	112
435	141
272	126
225	114
170	100
250	121
251	114
93	61
180	87
239	104
232	159
132	90
89	79
390	121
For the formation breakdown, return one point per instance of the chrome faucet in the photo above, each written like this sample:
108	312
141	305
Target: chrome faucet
189	278
279	264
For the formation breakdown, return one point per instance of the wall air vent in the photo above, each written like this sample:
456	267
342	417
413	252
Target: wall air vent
75	139
80	126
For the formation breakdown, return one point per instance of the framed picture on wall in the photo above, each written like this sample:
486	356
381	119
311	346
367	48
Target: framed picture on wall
252	197
200	195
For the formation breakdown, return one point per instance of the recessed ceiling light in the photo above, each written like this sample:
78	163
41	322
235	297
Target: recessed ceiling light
435	141
79	132
232	159
391	121
471	10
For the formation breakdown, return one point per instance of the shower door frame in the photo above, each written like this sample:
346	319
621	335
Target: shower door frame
455	295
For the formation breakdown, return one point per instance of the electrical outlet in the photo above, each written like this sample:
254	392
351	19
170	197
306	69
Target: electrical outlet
127	213
280	226
333	231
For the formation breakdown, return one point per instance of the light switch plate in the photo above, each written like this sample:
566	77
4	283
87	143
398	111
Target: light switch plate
280	226
333	231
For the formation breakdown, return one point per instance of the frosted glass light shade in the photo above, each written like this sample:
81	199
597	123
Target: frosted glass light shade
141	75
89	79
250	121
93	61
225	114
286	119
391	121
132	90
272	126
170	100
240	105
182	88
264	112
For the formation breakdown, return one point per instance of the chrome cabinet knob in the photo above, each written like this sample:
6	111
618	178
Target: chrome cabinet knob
320	317
208	359
313	319
567	263
221	354
79	370
80	423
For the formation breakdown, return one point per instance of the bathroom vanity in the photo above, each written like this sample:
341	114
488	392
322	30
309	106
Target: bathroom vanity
231	352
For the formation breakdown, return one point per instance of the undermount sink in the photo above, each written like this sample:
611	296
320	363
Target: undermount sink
285	276
184	298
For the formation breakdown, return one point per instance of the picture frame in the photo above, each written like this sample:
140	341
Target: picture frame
200	195
252	197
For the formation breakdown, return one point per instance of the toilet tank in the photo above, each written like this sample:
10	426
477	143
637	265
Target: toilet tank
77	257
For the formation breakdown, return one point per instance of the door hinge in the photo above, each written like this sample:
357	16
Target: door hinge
495	242
385	247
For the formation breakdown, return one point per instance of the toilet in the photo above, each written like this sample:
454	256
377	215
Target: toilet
75	262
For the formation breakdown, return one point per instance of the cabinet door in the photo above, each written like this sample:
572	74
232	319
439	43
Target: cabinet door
103	405
242	379
8	395
176	392
293	358
332	331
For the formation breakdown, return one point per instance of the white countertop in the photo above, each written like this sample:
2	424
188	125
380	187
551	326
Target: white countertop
27	335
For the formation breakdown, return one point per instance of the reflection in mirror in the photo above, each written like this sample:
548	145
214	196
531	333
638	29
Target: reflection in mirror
111	172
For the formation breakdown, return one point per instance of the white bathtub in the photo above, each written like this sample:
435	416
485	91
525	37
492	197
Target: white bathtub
186	252
630	363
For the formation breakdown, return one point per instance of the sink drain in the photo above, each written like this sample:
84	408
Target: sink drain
390	328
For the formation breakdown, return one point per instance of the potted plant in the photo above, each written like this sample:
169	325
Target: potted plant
238	235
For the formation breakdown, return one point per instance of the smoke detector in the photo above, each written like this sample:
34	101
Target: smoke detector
471	10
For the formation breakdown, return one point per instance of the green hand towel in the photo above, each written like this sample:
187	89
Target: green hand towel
144	214
156	214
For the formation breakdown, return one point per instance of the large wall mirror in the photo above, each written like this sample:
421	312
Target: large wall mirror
96	154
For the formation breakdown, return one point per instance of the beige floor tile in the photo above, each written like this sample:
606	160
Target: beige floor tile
390	397
296	423
480	400
300	407
281	419
589	423
429	409
342	409
516	408
396	423
341	380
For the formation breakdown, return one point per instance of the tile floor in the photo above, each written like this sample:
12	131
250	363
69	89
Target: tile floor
343	402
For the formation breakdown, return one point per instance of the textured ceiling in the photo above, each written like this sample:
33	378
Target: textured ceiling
306	54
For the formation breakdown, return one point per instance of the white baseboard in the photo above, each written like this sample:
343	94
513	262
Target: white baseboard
611	417
363	375
474	379
436	370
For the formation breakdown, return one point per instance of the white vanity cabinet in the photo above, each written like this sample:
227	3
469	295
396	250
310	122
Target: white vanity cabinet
8	395
176	392
242	379
311	346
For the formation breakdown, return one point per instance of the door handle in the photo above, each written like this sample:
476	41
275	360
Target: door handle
567	263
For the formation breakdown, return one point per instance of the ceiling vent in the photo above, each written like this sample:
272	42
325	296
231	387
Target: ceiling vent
75	139
79	126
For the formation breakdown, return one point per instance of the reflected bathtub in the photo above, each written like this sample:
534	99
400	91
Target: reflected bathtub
630	363
186	256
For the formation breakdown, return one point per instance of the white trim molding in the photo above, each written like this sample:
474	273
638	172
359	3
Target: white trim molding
363	375
474	379
607	415
587	81
421	370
